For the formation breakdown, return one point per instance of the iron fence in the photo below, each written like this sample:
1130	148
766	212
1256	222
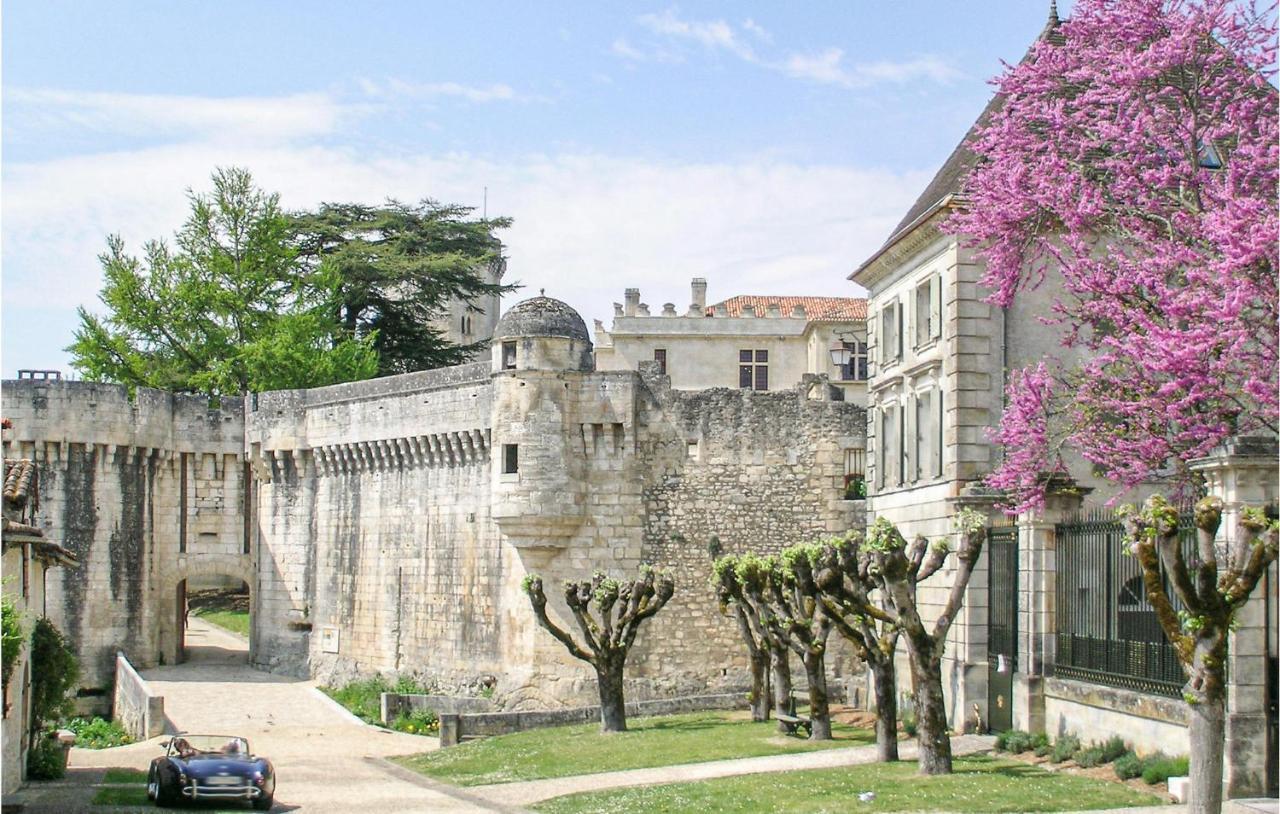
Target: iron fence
1108	632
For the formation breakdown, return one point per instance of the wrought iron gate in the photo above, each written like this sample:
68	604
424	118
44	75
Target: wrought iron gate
1002	624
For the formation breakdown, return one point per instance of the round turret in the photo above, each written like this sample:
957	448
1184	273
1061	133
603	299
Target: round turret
541	333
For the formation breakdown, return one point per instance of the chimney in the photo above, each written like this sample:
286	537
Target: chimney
668	309
699	289
617	309
632	298
643	309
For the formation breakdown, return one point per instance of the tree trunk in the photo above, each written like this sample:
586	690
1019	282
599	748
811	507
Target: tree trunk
819	711
781	684
931	709
760	685
613	705
883	675
1208	733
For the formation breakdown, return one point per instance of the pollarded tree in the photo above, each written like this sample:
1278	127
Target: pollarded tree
1135	163
621	607
784	597
768	653
901	568
1211	594
847	581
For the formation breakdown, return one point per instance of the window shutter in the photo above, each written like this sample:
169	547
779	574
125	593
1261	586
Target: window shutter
935	306
912	319
898	309
937	432
902	441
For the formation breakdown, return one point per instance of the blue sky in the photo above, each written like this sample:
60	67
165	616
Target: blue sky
767	147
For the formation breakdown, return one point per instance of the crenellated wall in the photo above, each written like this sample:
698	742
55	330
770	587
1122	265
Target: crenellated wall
380	531
145	491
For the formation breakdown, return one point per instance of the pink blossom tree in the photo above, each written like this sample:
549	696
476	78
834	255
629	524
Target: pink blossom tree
1134	159
1134	162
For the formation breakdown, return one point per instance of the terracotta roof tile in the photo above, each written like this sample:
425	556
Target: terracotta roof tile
815	308
21	484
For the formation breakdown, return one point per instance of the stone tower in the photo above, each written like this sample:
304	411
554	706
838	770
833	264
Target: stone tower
463	326
540	348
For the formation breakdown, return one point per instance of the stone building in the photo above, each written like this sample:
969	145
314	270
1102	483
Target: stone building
462	323
940	354
28	555
751	342
386	525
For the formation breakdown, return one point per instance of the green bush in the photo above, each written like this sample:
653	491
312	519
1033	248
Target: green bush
1113	749
1015	741
1089	758
1160	767
364	697
97	733
54	671
1128	766
1065	748
45	760
909	723
12	636
1040	744
418	722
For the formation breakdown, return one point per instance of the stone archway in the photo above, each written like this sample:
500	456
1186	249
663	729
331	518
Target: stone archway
173	607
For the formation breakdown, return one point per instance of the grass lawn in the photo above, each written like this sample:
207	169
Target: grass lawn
582	749
979	784
125	776
234	621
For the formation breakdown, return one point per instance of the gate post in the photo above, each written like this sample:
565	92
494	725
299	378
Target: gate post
1243	473
1037	611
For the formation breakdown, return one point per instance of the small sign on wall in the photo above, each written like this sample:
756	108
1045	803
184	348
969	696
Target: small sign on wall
328	640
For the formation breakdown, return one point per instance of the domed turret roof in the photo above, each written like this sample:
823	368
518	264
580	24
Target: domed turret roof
541	316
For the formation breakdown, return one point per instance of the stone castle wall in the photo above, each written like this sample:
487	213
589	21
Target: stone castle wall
144	491
379	534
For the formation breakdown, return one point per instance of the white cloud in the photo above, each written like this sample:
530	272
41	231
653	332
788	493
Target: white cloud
399	89
280	118
586	225
709	33
824	66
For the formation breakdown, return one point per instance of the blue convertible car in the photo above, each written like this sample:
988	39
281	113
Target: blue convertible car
211	767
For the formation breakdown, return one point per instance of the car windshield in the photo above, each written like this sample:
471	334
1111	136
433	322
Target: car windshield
188	745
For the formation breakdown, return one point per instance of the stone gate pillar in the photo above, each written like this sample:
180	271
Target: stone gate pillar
1037	611
1243	473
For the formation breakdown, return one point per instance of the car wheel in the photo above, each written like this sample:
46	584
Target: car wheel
166	793
264	802
151	785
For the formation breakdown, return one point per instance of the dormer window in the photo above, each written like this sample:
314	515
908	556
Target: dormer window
1210	158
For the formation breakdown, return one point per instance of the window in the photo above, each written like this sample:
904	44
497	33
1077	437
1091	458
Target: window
855	479
924	434
660	356
510	459
936	462
508	355
901	443
856	370
928	311
466	325
753	369
1210	158
887	451
891	332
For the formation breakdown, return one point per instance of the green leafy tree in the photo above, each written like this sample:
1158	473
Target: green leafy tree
12	638
394	269
222	311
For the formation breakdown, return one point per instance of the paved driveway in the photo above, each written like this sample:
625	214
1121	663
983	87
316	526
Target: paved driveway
321	752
